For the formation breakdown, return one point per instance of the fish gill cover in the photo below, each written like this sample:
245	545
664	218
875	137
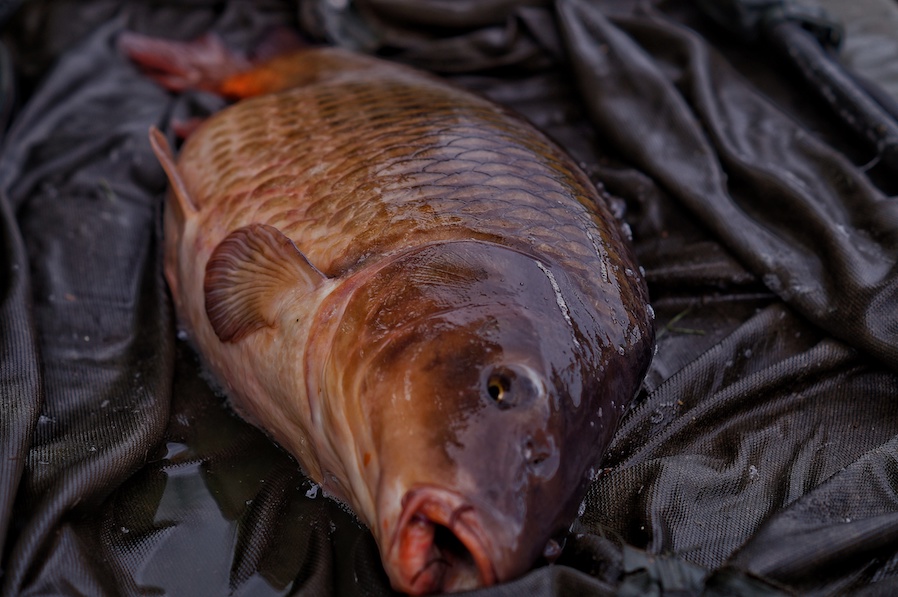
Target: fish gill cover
759	457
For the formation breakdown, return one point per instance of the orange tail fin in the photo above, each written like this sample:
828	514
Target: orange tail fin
207	64
203	63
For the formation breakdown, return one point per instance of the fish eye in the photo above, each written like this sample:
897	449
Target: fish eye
510	386
501	386
498	386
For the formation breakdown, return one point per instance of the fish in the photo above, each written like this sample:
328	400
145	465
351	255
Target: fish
411	289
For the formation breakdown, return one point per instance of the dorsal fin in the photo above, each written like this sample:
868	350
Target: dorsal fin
183	203
249	275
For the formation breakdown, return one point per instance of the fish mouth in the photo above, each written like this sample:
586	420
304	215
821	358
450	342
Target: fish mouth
439	545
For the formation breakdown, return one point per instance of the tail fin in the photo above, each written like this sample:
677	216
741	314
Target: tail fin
204	63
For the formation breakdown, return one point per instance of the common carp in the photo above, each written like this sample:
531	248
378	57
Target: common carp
412	290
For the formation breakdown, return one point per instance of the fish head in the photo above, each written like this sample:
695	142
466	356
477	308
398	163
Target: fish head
488	387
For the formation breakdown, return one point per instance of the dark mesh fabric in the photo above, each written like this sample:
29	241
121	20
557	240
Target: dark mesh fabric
760	458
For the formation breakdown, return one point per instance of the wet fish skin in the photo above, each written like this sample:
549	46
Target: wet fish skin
417	294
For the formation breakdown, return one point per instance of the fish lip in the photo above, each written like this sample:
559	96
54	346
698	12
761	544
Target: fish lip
437	506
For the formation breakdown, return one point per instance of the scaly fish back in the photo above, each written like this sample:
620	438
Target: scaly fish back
364	161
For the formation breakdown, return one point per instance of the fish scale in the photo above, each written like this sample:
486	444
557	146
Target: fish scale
425	179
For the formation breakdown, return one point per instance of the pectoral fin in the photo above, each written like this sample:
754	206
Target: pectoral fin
248	278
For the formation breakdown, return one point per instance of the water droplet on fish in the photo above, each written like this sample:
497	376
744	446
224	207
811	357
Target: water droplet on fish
747	353
125	530
656	417
628	232
651	311
642	271
753	472
183	335
582	509
312	492
104	404
45	419
601	413
407	386
93	449
559	299
621	350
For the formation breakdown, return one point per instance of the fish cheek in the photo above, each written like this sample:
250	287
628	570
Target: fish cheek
506	428
424	387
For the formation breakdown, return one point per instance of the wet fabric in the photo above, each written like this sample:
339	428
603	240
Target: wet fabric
760	457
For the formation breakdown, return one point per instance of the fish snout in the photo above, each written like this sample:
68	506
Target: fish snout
440	545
